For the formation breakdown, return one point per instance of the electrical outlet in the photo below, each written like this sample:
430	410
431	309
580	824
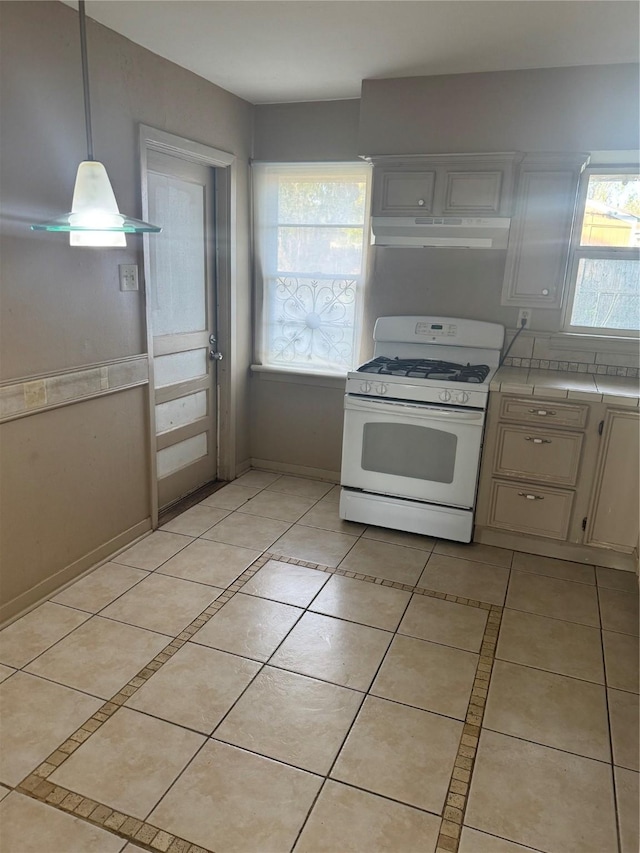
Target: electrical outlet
524	317
128	276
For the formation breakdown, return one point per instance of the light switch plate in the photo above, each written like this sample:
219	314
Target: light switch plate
128	276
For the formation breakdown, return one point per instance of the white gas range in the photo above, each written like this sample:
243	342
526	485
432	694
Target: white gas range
414	420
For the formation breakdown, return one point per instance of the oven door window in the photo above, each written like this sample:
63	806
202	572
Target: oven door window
405	450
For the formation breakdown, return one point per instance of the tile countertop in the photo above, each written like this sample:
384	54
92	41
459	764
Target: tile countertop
591	387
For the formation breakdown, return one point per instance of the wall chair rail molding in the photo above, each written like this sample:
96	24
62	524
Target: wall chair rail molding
30	395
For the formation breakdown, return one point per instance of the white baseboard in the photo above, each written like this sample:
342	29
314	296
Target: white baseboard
299	470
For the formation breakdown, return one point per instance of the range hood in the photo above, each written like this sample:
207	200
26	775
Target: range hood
441	231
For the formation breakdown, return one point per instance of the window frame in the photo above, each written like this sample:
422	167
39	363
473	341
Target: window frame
265	260
578	252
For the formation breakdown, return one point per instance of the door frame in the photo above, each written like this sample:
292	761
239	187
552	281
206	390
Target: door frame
225	164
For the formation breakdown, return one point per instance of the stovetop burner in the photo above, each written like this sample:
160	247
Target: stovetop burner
426	368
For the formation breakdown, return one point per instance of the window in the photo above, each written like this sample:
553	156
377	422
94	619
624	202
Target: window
311	236
604	282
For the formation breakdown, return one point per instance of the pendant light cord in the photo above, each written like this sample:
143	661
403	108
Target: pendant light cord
85	80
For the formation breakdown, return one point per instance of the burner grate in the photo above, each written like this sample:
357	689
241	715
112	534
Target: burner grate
426	368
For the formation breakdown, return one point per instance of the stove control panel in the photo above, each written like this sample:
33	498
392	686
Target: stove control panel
433	331
374	388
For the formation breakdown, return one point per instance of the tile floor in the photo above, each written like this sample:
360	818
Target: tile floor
259	676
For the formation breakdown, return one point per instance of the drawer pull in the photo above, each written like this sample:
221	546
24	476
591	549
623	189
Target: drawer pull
531	497
542	412
537	440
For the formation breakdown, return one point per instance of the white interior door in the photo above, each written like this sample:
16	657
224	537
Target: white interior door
181	295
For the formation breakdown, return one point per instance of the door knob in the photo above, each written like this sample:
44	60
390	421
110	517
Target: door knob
215	356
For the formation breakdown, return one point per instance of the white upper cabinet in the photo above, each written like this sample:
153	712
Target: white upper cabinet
540	235
444	185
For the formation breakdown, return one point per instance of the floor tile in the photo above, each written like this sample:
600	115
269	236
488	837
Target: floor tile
32	634
351	821
550	709
138	758
100	656
194	521
478	581
619	611
333	650
195	688
333	494
153	550
628	798
358	601
621	660
623	714
559	599
325	515
292	718
162	603
300	486
400	537
210	562
472	841
5	672
4	792
256	479
232	800
249	531
550	644
277	505
541	797
617	579
428	676
553	568
399	752
231	496
476	552
37	716
444	622
27	826
286	583
383	560
101	587
314	545
249	626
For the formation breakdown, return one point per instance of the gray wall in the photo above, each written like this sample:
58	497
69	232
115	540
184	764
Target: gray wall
76	478
559	109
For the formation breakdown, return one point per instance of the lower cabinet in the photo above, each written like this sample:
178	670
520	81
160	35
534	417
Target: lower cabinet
564	476
612	520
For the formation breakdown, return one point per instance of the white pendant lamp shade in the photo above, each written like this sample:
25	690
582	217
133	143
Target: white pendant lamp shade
94	219
95	207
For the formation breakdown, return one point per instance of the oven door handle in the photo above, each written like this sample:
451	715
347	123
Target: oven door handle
417	409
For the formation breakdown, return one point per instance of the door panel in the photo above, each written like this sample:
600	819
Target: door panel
182	317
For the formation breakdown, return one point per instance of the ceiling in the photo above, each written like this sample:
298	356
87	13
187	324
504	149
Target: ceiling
270	51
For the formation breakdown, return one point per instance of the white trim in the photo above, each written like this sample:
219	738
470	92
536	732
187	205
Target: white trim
282	374
299	470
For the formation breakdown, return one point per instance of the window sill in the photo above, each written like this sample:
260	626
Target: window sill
298	377
593	342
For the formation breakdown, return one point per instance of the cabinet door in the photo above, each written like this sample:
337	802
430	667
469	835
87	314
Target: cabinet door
612	521
540	235
403	192
473	193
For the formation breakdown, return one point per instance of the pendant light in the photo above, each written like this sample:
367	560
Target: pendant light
94	219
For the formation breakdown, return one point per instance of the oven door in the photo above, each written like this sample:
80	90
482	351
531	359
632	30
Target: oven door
412	450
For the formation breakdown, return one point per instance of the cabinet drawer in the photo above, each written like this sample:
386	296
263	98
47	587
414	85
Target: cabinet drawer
548	455
530	509
544	412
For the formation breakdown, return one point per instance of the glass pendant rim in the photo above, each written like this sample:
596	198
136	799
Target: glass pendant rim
129	226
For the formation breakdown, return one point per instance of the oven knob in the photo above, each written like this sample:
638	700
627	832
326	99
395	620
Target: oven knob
365	387
381	389
462	397
445	396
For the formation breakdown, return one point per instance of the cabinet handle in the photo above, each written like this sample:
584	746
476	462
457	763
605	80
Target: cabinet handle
537	440
542	412
530	497
545	292
420	202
